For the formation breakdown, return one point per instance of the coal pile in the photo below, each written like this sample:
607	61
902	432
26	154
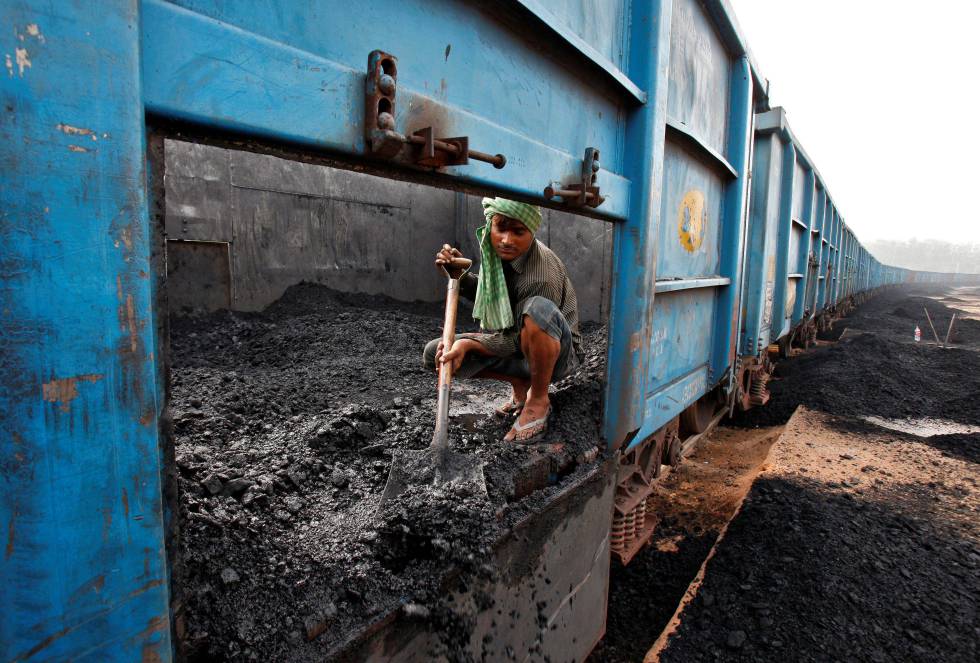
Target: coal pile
877	374
858	548
896	312
285	422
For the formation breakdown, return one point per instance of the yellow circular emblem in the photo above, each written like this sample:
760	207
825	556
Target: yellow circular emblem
692	219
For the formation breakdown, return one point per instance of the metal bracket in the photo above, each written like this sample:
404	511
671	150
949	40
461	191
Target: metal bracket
384	142
583	192
379	105
438	152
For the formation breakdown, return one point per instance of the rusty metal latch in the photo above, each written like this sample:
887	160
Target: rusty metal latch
379	125
583	192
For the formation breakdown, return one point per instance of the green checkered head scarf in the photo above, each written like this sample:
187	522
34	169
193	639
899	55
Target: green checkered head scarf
492	307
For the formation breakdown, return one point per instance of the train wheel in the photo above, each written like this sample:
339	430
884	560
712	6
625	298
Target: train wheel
672	449
697	417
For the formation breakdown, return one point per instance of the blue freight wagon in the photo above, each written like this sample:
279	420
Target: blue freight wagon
640	115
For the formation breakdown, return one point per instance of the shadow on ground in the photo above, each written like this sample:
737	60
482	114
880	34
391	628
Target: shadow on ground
812	572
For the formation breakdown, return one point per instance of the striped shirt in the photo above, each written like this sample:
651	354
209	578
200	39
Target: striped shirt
537	272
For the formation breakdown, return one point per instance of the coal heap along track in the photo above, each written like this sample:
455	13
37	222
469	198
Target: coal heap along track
285	423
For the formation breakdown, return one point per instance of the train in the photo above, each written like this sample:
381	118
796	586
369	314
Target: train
651	117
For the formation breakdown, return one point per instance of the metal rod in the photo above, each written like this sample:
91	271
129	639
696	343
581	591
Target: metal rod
931	325
495	160
950	330
550	192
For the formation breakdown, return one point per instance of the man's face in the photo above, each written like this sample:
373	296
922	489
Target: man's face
510	238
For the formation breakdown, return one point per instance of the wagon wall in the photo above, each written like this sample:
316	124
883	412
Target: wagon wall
242	227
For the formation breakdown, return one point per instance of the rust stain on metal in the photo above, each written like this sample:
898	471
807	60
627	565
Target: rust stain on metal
126	235
45	643
131	323
9	550
65	390
127	323
95	584
147	417
78	148
106	523
23	61
145	587
155	625
635	342
149	654
125	503
34	31
74	131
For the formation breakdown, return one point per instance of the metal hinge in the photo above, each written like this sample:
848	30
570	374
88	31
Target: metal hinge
584	192
384	142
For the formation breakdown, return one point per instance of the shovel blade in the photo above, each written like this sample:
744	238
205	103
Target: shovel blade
431	467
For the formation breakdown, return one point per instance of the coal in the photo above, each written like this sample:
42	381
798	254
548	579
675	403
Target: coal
818	570
286	421
880	372
865	565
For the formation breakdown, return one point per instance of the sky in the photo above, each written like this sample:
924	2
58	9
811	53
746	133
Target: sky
883	96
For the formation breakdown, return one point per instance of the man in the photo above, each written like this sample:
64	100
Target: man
528	317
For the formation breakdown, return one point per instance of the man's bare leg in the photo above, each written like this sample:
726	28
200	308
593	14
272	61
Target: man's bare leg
518	386
541	351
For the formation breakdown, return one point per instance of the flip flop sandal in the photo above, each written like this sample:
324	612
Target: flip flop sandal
509	409
540	424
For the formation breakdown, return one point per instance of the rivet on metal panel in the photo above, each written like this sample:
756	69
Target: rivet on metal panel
581	193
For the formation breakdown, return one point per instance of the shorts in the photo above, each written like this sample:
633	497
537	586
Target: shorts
547	316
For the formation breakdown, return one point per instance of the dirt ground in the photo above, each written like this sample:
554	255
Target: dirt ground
861	539
839	560
857	543
695	501
877	370
285	423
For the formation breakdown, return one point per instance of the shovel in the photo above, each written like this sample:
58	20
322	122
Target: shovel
438	464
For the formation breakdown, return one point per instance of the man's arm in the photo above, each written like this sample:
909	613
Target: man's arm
467	286
508	342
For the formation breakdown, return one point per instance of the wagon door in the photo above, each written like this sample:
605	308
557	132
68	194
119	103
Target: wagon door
700	233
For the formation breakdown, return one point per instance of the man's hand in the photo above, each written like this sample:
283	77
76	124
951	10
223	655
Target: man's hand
446	255
456	353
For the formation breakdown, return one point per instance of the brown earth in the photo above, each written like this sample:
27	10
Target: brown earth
696	500
857	543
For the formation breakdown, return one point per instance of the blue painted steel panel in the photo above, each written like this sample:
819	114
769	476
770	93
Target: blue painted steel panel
727	317
634	244
80	400
676	348
596	29
760	281
806	243
83	571
673	398
261	70
684	173
701	224
700	67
